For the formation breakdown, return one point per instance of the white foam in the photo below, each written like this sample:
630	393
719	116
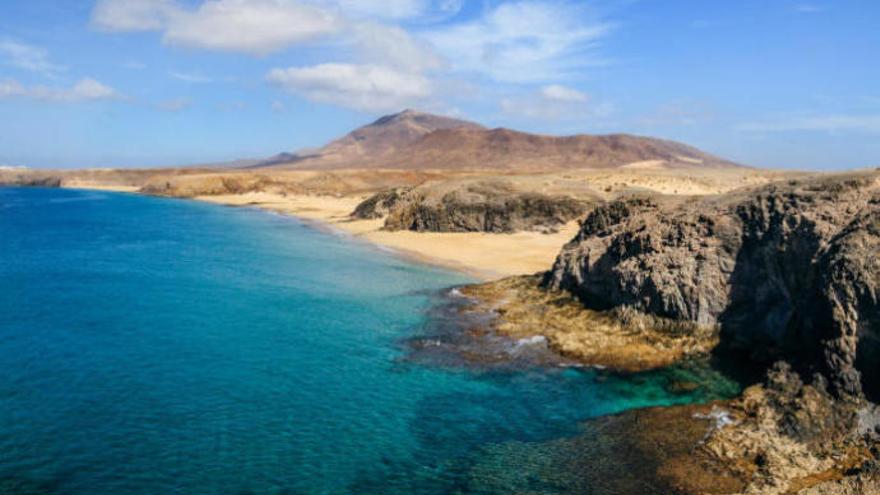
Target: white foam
720	417
535	340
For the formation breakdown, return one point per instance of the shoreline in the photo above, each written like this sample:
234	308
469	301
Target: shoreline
483	256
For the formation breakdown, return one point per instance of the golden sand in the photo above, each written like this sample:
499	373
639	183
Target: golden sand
483	255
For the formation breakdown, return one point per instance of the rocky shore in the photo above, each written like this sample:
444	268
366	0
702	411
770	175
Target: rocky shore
785	276
621	339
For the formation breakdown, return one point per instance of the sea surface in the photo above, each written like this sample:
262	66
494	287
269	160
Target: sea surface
157	346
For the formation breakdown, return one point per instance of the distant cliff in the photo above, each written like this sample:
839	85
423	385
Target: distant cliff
28	178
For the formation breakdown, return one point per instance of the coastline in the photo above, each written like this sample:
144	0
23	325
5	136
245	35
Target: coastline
483	256
783	434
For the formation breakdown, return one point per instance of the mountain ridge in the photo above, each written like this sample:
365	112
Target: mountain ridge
416	140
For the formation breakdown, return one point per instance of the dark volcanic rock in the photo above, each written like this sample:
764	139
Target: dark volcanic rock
380	204
786	271
483	208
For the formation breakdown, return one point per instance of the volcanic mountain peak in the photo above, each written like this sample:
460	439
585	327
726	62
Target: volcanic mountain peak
390	133
427	121
417	140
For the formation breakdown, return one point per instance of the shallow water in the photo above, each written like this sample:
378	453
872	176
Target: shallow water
163	346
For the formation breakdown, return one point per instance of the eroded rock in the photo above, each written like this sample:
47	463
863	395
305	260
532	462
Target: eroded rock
482	207
788	271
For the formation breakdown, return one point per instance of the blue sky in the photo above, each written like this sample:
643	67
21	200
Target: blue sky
775	83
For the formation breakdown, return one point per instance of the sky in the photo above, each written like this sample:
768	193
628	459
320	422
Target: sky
126	83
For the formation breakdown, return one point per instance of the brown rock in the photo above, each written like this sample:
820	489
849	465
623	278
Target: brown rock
786	271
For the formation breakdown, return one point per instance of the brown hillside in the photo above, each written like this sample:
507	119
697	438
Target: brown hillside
414	140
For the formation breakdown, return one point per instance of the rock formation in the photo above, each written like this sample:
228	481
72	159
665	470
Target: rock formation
380	204
189	186
29	179
786	275
788	271
480	207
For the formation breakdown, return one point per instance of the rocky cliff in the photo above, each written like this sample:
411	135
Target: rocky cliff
28	179
789	271
785	276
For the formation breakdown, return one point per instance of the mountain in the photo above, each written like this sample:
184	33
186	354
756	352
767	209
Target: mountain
513	150
416	140
390	134
370	143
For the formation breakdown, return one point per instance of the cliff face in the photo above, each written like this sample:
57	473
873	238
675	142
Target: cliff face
29	180
786	271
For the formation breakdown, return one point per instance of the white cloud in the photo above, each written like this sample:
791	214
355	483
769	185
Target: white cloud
827	123
257	27
389	9
381	65
393	46
90	89
84	90
174	105
555	102
133	15
393	9
361	87
28	57
10	88
808	8
190	77
527	41
278	106
561	93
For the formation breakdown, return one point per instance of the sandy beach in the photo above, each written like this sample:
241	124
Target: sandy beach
482	255
329	199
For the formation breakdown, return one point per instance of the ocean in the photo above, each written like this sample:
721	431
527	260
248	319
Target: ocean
157	346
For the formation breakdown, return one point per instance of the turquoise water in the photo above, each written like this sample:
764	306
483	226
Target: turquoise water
154	346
